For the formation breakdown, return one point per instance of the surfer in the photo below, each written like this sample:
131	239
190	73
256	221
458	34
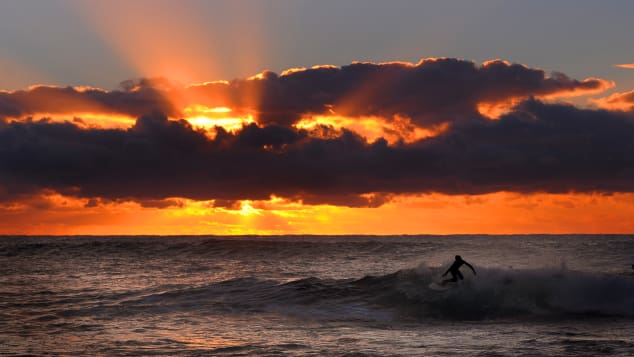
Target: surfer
454	269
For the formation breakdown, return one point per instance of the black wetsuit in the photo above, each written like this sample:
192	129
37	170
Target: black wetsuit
454	269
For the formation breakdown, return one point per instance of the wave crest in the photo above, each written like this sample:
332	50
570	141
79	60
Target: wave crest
405	295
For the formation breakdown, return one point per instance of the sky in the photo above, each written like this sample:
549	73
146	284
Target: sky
316	117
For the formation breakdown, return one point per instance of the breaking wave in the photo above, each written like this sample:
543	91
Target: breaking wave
403	295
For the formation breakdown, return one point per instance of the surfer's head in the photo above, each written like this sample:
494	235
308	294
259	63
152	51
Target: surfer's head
458	257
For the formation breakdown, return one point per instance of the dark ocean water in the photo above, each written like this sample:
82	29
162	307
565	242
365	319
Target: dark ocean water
313	295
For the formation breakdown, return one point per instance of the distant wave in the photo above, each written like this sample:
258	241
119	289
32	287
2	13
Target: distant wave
403	295
186	246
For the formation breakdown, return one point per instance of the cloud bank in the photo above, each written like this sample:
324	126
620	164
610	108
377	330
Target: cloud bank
137	99
430	92
537	147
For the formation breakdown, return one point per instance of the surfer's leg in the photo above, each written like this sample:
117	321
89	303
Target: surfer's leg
459	275
453	278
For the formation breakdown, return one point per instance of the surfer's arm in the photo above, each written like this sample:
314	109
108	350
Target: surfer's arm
447	271
470	267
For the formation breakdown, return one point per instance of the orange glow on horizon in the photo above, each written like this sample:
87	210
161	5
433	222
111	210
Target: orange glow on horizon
495	213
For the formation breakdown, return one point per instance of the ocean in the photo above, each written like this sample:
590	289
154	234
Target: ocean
533	295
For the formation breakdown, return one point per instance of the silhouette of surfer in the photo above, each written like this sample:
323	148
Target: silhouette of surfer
454	269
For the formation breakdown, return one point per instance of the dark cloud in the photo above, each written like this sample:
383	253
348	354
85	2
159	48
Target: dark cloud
537	147
162	203
430	92
135	98
541	147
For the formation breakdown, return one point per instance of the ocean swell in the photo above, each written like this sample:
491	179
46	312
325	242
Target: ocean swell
403	295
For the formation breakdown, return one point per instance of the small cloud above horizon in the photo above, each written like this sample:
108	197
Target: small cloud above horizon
625	65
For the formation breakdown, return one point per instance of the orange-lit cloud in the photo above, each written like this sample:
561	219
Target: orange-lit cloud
539	147
494	110
429	93
133	99
86	120
625	65
397	129
201	116
498	105
617	101
363	148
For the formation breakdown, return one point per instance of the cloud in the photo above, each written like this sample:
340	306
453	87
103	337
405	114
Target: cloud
134	99
625	65
430	92
537	147
617	101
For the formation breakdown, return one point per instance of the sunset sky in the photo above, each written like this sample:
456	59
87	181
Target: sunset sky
316	117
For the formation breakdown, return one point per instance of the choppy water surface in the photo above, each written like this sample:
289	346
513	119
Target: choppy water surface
533	295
